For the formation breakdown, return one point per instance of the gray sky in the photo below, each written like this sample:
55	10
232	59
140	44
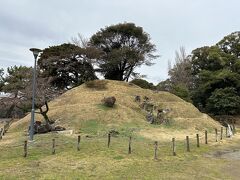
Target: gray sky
170	23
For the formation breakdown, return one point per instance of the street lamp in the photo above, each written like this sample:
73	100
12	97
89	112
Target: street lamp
35	52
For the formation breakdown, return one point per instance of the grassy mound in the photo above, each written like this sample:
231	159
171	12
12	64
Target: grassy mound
81	109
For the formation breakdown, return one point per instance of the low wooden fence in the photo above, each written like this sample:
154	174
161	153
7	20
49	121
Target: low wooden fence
216	137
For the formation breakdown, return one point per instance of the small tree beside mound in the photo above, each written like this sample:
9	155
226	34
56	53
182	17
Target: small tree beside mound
143	83
109	101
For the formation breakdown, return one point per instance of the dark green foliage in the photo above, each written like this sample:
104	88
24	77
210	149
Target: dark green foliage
231	44
178	89
224	102
211	59
17	78
125	46
15	82
210	76
68	65
208	81
143	83
181	91
217	76
236	67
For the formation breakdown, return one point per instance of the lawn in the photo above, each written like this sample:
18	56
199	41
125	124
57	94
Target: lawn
96	161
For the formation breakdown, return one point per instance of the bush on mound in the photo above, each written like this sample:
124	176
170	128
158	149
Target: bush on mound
97	84
109	101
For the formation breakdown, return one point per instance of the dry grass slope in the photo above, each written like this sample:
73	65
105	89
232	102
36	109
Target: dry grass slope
80	109
82	106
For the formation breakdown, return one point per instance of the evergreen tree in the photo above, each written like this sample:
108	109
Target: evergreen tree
125	46
67	65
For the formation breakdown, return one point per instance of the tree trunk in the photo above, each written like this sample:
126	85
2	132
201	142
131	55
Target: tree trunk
45	116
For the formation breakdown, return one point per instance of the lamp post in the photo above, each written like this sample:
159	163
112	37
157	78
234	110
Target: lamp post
35	52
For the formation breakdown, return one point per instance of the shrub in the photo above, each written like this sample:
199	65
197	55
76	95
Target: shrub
181	91
143	84
224	102
109	101
97	84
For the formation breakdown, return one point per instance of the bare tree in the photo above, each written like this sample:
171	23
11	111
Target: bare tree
181	71
80	41
44	93
169	65
19	85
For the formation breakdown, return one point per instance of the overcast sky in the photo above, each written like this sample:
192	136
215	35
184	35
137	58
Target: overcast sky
170	23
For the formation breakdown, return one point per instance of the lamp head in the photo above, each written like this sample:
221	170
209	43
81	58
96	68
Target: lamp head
35	52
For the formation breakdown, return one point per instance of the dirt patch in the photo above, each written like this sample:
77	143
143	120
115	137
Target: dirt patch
231	157
235	155
226	154
231	150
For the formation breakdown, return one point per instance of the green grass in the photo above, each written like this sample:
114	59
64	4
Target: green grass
104	107
80	110
96	161
92	127
98	128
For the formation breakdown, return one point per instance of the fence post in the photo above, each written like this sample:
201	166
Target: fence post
155	149
216	133
25	149
221	135
78	143
188	146
53	146
226	132
1	133
129	145
173	147
234	129
109	139
198	144
206	137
